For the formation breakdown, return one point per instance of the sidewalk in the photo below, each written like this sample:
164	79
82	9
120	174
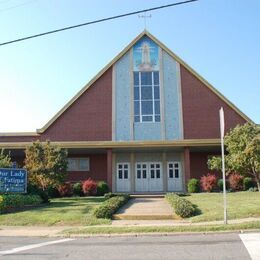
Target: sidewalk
53	231
145	209
143	223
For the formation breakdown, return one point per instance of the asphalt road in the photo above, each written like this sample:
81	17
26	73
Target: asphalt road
199	246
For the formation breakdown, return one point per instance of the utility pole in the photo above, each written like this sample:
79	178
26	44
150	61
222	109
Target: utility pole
222	134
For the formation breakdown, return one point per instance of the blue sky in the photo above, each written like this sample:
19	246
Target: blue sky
219	39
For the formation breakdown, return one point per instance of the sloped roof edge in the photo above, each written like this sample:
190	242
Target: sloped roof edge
19	134
128	47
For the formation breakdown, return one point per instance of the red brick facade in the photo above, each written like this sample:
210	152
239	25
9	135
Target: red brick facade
18	138
97	171
89	118
201	109
198	164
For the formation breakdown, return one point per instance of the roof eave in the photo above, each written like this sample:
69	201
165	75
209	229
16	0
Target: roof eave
121	144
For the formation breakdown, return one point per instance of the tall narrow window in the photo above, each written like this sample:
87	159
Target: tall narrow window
146	96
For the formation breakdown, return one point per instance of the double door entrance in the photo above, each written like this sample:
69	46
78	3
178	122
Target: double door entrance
148	176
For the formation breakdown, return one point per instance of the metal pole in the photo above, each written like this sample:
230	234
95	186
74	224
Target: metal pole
222	130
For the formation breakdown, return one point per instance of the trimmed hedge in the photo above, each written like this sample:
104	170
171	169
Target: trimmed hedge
110	206
182	207
193	186
14	201
77	189
35	190
111	195
220	184
102	188
248	183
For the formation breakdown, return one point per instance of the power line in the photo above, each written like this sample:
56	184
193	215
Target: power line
96	21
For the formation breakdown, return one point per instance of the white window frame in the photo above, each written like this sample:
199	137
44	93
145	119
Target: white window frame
155	170
77	163
123	169
148	169
141	169
174	168
153	100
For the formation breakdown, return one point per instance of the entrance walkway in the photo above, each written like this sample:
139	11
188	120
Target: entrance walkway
145	209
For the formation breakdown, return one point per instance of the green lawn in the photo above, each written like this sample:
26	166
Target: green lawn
239	205
161	229
64	211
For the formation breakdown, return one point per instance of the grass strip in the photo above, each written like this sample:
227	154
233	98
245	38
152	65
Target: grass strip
161	229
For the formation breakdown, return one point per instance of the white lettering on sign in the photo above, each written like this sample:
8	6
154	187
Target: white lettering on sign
17	174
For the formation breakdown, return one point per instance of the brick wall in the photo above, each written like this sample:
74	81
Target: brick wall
198	164
97	171
201	109
89	118
18	138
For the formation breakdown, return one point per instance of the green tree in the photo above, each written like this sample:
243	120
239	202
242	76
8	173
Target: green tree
5	160
243	152
46	164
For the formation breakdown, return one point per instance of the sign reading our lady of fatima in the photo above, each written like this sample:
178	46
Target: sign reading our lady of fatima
13	180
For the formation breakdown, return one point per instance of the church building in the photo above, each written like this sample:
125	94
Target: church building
146	123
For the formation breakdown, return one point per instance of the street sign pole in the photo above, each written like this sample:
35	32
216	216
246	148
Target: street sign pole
222	133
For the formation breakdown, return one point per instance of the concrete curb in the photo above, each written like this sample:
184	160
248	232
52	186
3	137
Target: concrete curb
159	234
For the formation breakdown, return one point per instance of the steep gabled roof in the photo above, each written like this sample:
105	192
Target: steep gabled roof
124	51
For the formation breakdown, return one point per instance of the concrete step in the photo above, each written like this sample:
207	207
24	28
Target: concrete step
136	195
144	217
145	208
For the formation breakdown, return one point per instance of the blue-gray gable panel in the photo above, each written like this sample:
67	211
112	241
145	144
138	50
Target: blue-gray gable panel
171	98
122	98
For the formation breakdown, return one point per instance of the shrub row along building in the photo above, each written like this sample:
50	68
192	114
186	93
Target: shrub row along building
147	122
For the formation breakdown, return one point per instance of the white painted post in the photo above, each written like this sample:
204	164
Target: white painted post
222	133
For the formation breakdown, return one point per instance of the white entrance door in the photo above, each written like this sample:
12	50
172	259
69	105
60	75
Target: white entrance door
141	177
123	177
174	176
148	177
155	180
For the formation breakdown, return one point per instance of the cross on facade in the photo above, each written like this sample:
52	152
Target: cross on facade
144	16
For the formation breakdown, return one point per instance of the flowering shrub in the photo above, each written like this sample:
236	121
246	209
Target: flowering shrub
89	187
65	189
208	182
236	181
